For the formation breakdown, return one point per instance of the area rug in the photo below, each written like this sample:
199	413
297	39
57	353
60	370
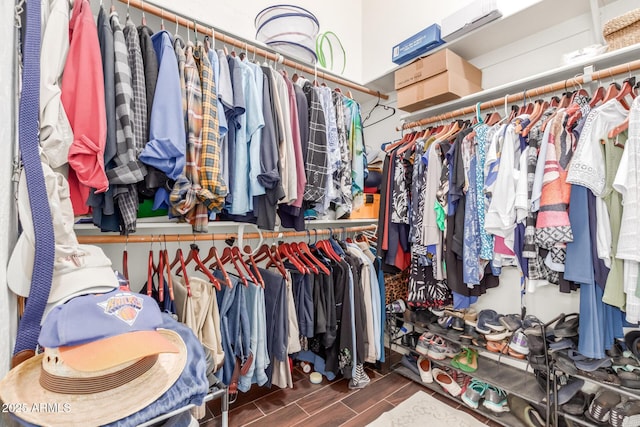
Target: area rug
420	410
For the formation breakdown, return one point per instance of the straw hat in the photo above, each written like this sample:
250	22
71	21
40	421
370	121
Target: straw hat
104	360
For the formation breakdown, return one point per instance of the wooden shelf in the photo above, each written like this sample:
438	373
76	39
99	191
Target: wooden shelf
507	29
162	225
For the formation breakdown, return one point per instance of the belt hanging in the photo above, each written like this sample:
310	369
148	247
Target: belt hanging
28	134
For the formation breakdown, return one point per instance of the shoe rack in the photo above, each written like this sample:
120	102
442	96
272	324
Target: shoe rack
499	370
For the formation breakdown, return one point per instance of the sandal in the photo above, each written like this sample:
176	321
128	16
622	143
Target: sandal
567	326
629	379
590	365
467	361
497	346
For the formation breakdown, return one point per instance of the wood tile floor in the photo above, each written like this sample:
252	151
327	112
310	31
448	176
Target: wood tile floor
327	404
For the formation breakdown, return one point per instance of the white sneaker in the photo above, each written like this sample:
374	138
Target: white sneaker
446	382
424	366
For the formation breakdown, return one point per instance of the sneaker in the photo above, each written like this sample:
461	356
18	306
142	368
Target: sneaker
446	382
497	336
360	378
437	311
445	322
495	324
519	343
474	392
422	346
483	317
437	348
424	367
495	400
511	321
458	324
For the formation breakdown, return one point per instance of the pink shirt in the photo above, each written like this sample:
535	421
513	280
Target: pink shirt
297	145
83	101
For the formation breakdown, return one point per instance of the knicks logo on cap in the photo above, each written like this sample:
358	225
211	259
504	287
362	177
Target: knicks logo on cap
123	306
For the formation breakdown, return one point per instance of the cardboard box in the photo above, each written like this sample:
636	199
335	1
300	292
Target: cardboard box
435	90
417	45
439	62
370	209
473	15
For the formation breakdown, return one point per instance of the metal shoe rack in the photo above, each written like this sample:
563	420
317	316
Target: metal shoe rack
512	375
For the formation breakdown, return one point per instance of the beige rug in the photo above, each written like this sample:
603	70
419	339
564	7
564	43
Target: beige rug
420	410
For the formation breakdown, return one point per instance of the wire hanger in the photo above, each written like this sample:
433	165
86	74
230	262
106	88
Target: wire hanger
144	18
391	112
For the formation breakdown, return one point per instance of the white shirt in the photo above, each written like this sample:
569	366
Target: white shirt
587	167
56	134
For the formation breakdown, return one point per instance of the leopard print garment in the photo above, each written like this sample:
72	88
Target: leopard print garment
396	286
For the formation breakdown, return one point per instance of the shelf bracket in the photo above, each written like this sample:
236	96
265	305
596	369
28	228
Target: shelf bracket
587	74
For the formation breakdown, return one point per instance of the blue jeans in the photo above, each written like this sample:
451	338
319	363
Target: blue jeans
234	326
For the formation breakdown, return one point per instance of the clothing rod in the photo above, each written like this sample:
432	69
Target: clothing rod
205	29
540	90
190	238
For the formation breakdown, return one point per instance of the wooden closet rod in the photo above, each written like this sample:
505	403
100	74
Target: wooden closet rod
540	90
187	238
206	30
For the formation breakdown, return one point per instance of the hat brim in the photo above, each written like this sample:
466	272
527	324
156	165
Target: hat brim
21	387
95	277
113	351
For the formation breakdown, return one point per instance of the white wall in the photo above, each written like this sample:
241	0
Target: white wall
237	18
385	24
8	227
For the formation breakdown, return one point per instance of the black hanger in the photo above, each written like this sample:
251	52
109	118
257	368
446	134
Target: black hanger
391	110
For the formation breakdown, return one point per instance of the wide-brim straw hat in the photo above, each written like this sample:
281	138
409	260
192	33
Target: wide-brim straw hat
21	391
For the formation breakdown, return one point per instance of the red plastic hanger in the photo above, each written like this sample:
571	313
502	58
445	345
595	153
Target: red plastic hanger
183	267
305	249
165	256
254	264
308	263
217	264
612	92
285	253
597	97
194	256
264	253
227	256
238	254
627	89
151	271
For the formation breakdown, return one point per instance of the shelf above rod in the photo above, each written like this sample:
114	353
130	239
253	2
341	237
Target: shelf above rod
205	29
515	93
186	238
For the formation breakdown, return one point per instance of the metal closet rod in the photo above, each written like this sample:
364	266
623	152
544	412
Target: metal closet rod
186	238
204	29
540	90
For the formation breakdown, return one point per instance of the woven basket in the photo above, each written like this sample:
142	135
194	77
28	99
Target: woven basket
623	31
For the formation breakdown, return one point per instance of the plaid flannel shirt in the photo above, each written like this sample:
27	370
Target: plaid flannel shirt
127	171
187	192
317	157
210	171
138	85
